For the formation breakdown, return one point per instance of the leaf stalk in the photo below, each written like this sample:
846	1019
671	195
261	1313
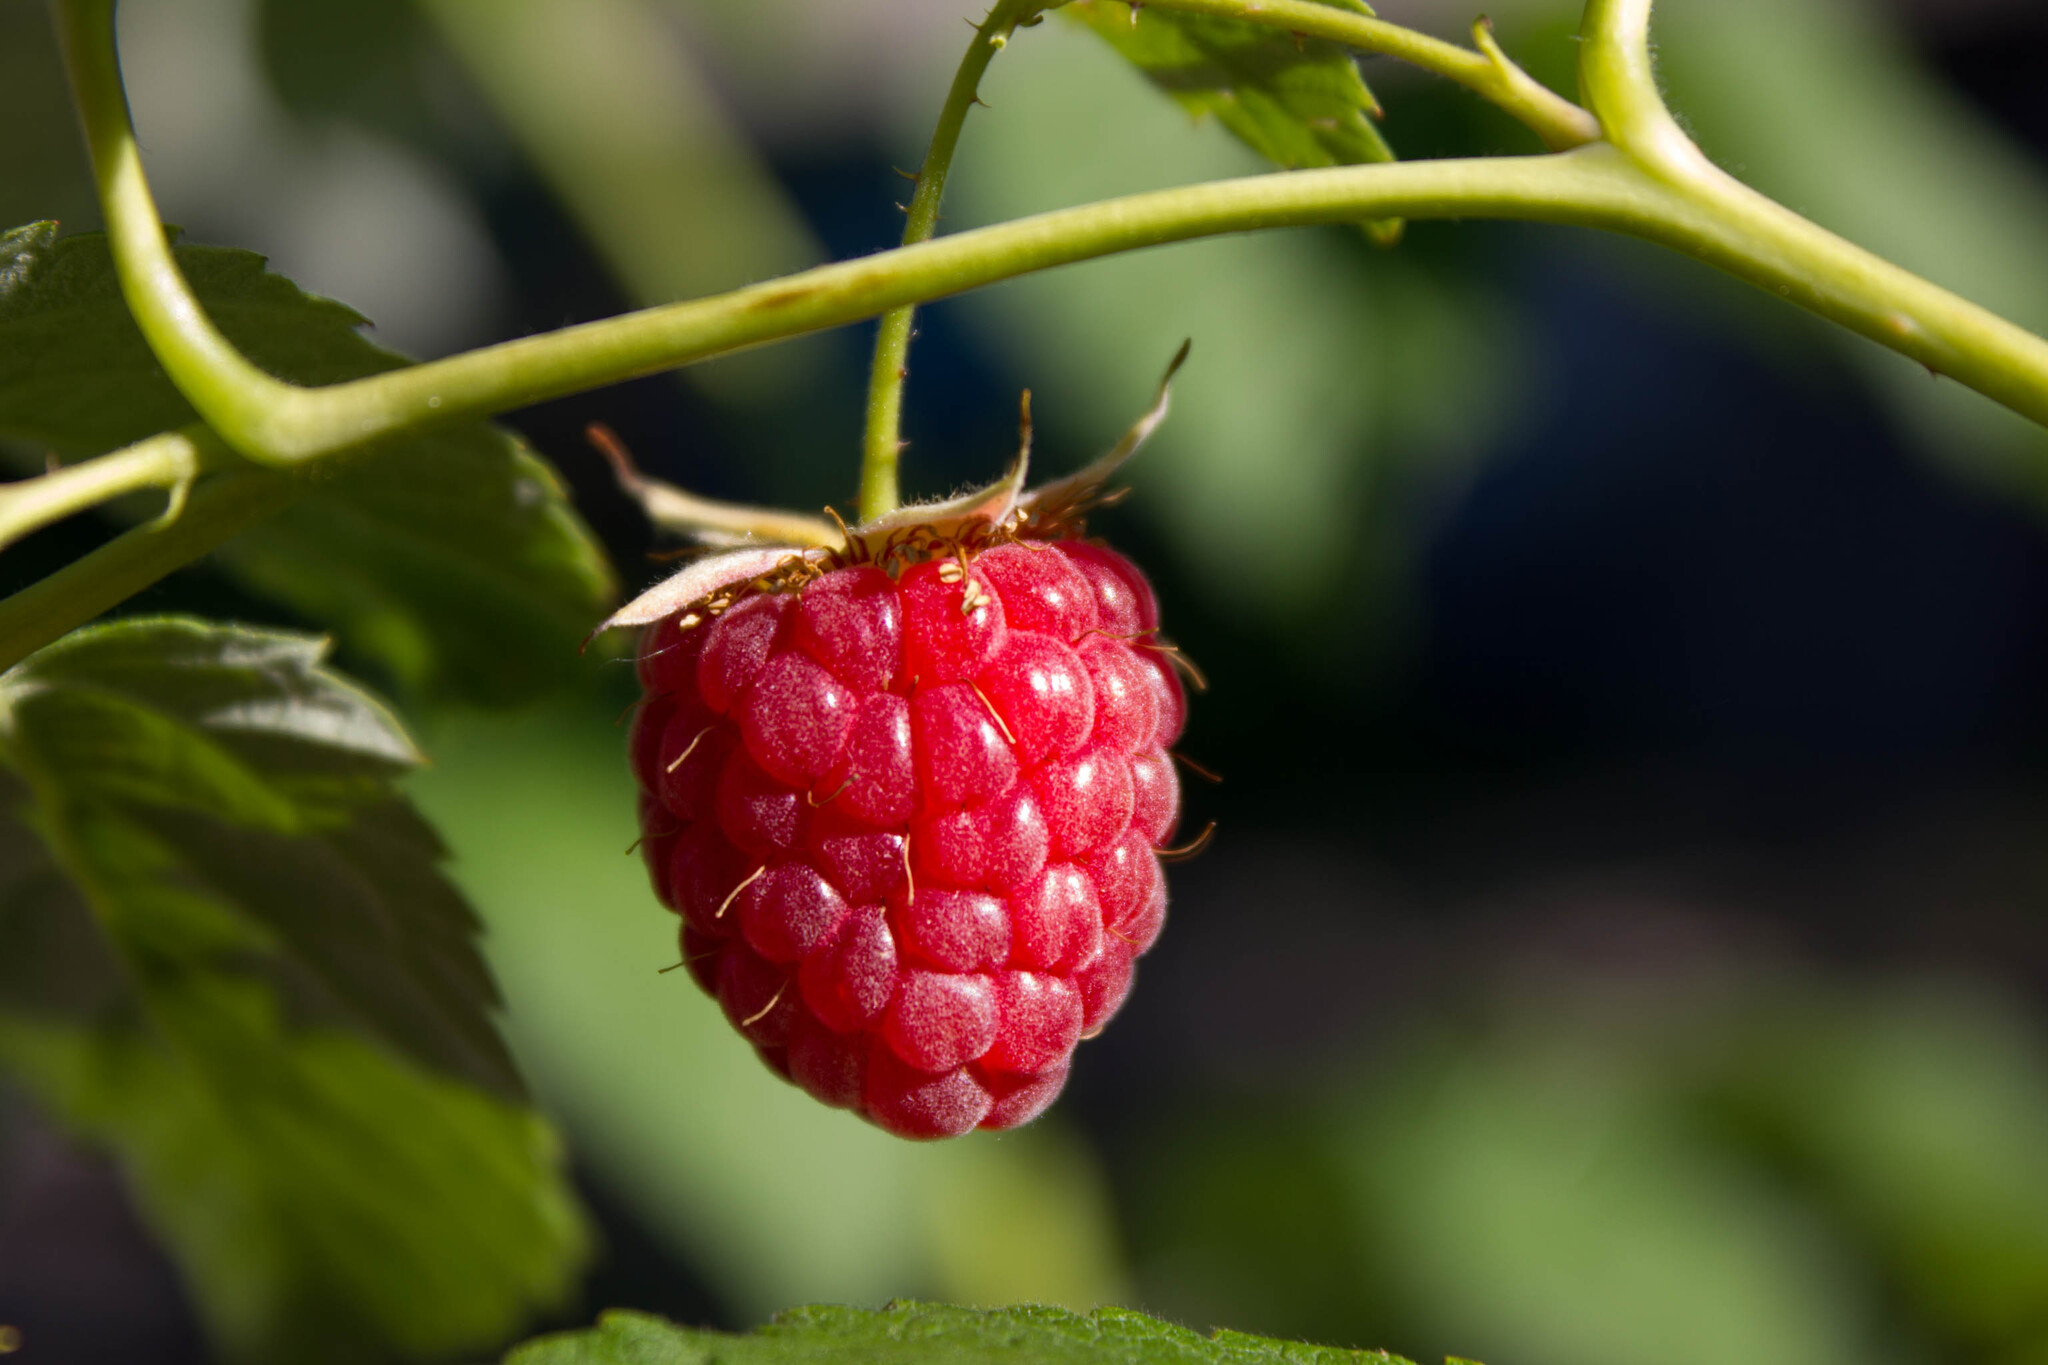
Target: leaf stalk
218	508
172	460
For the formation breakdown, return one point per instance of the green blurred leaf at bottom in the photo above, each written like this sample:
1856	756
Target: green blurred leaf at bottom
930	1334
255	989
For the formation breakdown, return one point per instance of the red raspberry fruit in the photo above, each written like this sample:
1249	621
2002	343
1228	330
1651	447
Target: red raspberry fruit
909	817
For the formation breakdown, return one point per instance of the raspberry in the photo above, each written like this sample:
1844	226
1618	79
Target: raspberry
908	811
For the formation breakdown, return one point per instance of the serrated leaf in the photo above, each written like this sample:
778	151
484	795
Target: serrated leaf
1297	101
451	556
929	1334
295	1061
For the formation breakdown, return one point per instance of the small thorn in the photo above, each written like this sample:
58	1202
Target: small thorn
811	798
684	756
1190	848
912	176
1196	678
734	894
762	1013
992	713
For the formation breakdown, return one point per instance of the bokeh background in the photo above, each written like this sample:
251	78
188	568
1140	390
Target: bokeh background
1625	935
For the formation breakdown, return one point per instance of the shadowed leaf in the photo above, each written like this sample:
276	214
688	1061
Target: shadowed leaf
451	555
294	1059
1297	101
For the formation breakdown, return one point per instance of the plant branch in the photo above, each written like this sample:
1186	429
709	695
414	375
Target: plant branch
218	508
1487	72
882	444
172	460
1679	200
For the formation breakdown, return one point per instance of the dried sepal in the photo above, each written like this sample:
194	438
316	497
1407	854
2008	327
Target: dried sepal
1063	498
808	546
705	520
706	578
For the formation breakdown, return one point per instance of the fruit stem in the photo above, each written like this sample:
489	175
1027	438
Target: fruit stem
882	446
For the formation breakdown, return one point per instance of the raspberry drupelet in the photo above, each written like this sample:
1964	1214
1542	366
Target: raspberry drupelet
908	810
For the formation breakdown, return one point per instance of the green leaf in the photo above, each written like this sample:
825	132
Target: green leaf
451	556
294	1061
56	962
928	1334
1299	102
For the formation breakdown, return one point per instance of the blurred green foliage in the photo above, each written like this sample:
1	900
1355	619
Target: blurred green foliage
1779	1170
295	1065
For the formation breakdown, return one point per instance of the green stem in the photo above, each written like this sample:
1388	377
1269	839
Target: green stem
238	400
1618	83
1487	72
171	460
1654	188
882	446
218	508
